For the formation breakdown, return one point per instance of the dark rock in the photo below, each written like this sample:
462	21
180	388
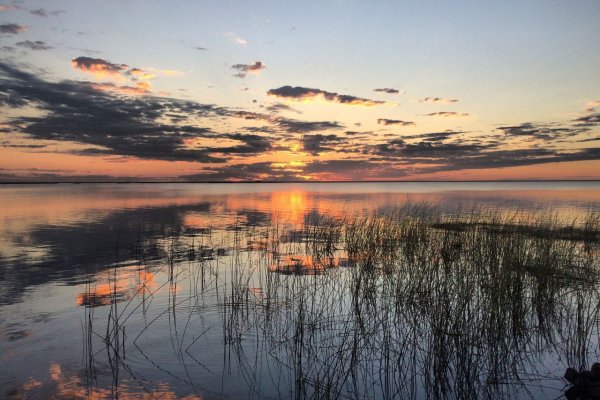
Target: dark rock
572	376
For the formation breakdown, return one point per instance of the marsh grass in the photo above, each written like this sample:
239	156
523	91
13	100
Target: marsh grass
408	302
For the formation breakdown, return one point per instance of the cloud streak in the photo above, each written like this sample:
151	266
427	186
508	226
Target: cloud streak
385	121
438	100
448	114
36	45
303	94
387	90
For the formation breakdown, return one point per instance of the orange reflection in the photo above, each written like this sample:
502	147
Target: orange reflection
72	387
127	284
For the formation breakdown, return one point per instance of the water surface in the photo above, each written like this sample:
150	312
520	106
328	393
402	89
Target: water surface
129	289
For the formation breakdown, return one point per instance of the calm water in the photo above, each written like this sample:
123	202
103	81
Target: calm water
101	296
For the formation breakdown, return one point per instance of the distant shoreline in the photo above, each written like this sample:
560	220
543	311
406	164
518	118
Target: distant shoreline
301	182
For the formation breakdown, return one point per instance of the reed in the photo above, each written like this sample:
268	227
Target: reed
409	302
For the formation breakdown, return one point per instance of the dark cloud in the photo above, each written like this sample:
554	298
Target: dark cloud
41	12
433	136
385	121
97	66
12	28
355	168
278	107
447	114
252	144
441	100
474	154
245	69
387	90
545	132
117	125
516	157
357	133
288	125
302	93
593	139
261	171
315	144
592	119
295	126
430	150
36	45
22	146
201	48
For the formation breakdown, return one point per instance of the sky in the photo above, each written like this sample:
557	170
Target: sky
293	91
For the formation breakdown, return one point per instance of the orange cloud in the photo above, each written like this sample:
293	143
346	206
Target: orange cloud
139	89
141	74
98	67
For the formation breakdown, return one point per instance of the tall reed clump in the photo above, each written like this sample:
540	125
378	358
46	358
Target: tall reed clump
408	302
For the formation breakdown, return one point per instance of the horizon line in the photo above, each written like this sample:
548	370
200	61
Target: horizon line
290	181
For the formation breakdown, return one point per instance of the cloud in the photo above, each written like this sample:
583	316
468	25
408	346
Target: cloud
447	114
7	8
315	144
236	39
354	168
201	48
384	121
171	72
303	94
22	146
37	45
591	105
430	150
260	171
433	136
98	67
516	157
12	28
112	125
441	100
588	120
592	118
387	90
540	131
40	12
139	88
139	73
245	69
278	107
252	144
295	126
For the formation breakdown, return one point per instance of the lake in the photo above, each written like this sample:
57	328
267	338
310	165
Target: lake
298	290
